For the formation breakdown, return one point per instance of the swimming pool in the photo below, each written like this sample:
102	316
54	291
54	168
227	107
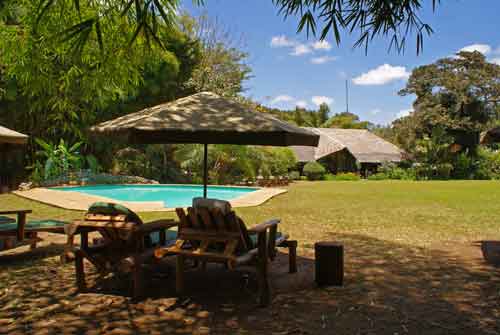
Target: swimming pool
170	195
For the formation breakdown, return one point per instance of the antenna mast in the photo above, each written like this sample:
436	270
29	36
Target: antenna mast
346	97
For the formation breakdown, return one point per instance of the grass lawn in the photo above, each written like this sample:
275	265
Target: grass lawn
414	213
413	265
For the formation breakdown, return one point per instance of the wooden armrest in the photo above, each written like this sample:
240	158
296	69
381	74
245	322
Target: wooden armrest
19	211
156	225
262	227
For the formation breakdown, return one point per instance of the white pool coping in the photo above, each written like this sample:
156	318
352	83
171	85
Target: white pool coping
82	201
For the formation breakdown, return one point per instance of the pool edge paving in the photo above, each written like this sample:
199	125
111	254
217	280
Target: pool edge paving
81	201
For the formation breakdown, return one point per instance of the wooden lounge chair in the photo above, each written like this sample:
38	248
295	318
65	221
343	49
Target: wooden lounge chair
214	233
16	233
126	246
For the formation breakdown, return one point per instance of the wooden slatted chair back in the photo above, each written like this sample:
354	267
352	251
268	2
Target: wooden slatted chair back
210	231
115	229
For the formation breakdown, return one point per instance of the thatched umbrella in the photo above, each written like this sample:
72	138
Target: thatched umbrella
8	136
206	118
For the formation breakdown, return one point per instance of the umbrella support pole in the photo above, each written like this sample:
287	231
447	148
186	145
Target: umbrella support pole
205	170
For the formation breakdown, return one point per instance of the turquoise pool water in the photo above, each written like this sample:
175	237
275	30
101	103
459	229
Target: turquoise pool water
170	195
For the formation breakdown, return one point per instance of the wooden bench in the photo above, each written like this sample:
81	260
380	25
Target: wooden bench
125	246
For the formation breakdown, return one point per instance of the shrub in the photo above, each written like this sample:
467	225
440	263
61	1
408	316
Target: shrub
314	171
392	171
378	176
463	167
488	164
294	175
347	176
329	176
433	171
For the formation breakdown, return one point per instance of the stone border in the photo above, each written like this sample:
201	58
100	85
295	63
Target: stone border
81	201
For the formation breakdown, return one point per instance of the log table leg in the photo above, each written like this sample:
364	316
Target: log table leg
329	261
179	274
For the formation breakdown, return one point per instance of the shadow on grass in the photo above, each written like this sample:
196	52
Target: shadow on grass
389	288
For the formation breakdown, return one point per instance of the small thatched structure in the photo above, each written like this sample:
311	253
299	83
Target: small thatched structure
8	136
9	140
349	150
491	136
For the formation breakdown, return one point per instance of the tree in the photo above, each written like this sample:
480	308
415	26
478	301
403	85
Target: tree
323	113
298	117
368	17
346	120
459	94
50	91
222	67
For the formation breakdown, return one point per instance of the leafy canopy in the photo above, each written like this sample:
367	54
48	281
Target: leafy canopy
461	93
370	18
396	19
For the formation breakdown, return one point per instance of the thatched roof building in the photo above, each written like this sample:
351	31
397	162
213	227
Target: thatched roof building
349	149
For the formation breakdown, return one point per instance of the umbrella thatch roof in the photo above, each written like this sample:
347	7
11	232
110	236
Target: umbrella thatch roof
491	136
365	146
206	118
12	137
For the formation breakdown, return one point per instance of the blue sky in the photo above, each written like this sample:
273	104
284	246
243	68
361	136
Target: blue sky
290	69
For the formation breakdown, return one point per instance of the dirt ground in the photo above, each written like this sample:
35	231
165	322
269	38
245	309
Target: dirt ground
389	289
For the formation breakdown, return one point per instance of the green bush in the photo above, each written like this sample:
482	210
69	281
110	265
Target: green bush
378	176
488	164
393	171
329	176
463	167
433	171
294	175
347	176
314	171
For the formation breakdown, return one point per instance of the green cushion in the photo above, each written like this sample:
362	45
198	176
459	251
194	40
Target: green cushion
107	208
33	225
6	219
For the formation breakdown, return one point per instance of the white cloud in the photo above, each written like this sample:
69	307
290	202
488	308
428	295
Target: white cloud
382	75
281	41
318	100
282	98
322	59
375	111
482	48
300	49
403	113
321	45
301	103
495	60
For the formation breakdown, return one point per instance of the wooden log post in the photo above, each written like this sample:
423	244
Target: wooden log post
21	223
329	261
179	274
292	256
262	270
138	279
80	272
